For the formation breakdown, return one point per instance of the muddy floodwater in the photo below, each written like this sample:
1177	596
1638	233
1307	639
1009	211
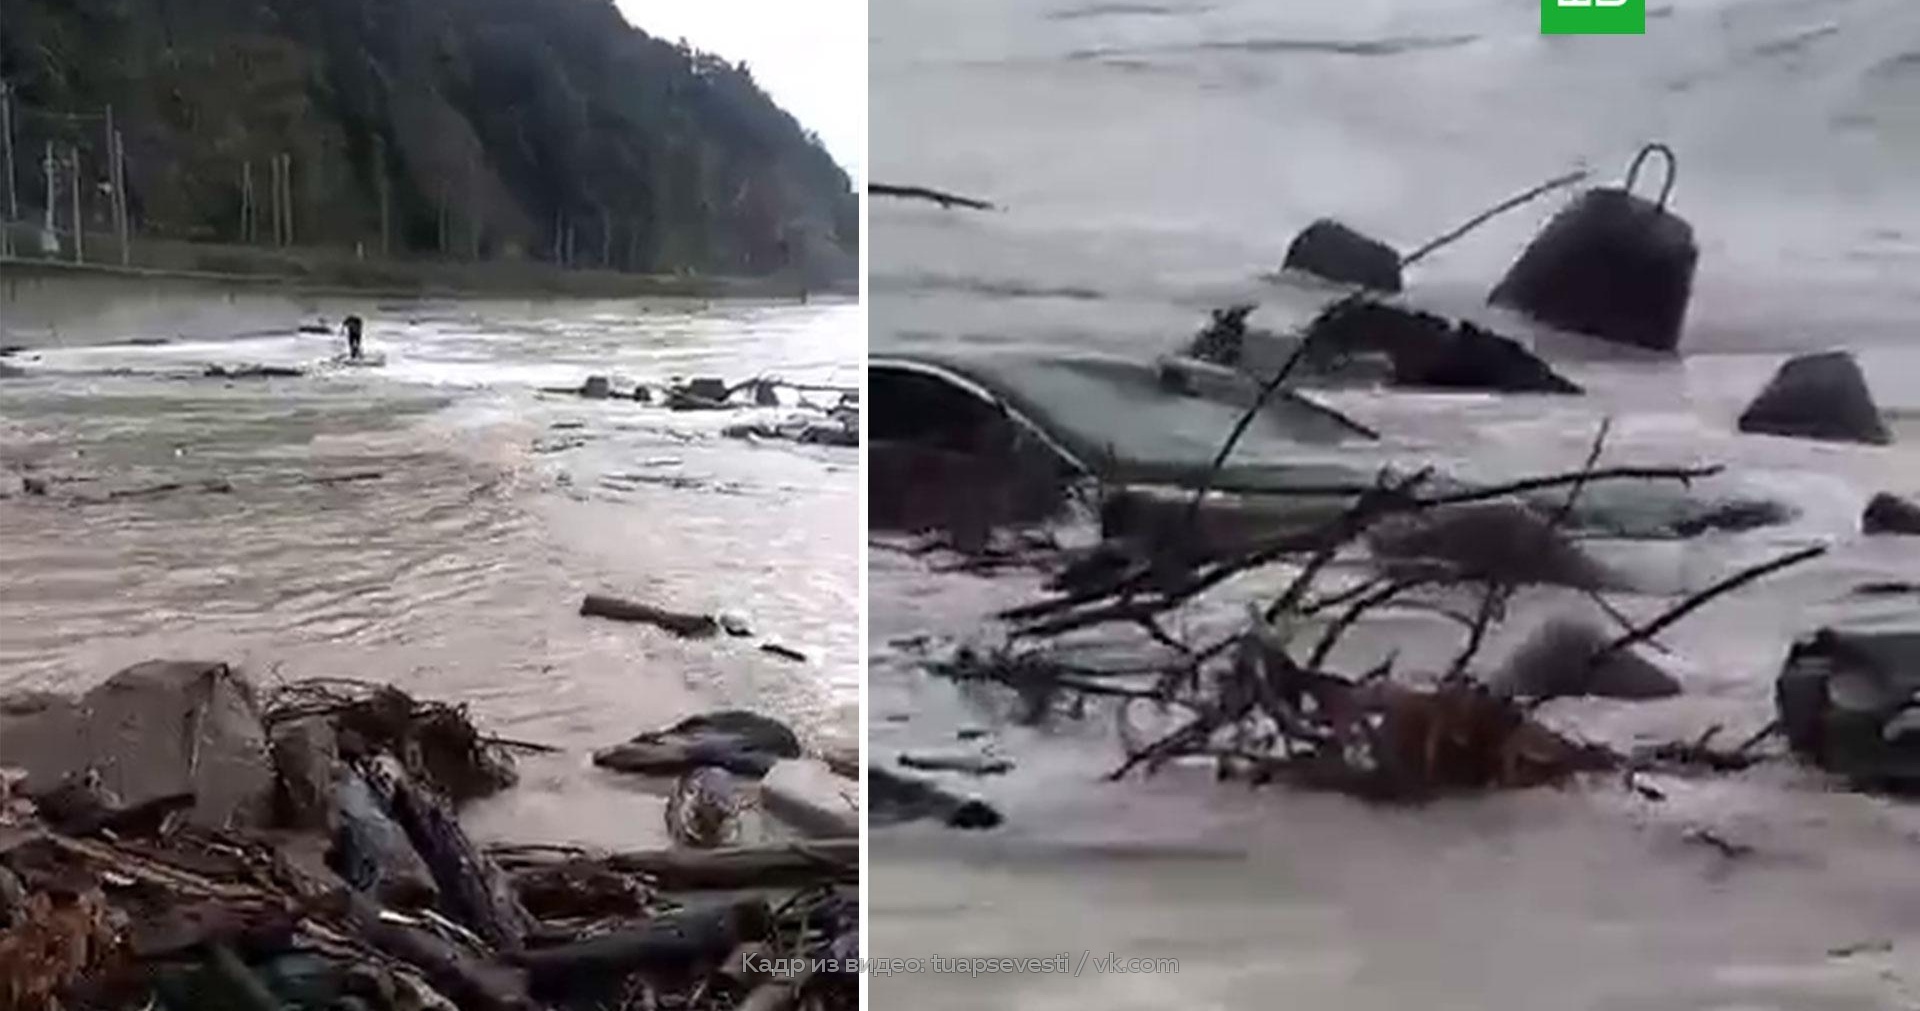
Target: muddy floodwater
433	521
1151	161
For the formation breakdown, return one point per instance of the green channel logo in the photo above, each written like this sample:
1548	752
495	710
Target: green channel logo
1593	17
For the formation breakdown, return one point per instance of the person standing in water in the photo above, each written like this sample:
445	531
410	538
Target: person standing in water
352	327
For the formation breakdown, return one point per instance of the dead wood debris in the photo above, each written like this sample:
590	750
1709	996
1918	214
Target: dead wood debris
436	743
152	915
1252	704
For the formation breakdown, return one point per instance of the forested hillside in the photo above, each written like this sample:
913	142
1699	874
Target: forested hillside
502	129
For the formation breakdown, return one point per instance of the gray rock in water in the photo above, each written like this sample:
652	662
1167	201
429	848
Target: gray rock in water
306	755
157	730
1556	661
708	387
896	798
1505	541
740	742
1820	396
735	624
704	809
807	795
1849	700
597	388
1891	514
373	851
1335	252
971	763
841	435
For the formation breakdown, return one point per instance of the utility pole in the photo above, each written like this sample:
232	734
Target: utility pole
246	202
559	230
386	196
473	203
286	175
116	181
274	184
50	172
126	214
13	194
79	224
606	240
6	140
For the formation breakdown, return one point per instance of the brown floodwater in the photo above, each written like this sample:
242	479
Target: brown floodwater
434	522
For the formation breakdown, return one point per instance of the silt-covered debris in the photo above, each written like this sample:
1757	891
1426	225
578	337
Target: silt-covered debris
169	841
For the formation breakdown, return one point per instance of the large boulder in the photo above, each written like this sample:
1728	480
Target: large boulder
1819	396
1849	700
597	388
812	799
1331	250
897	798
306	757
157	730
704	394
1503	541
1558	661
1891	514
1428	352
743	743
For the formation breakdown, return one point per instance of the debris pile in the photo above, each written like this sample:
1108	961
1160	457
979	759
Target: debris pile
200	849
1264	702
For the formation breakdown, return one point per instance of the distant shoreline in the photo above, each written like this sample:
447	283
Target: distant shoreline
422	278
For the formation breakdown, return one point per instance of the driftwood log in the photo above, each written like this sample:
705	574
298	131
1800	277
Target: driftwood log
734	867
687	626
699	938
944	199
472	887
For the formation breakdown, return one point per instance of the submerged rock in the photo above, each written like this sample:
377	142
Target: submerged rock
702	394
1849	700
1556	661
704	809
1819	396
156	730
898	798
972	763
1331	250
254	372
1427	351
1504	541
1891	514
738	741
306	757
